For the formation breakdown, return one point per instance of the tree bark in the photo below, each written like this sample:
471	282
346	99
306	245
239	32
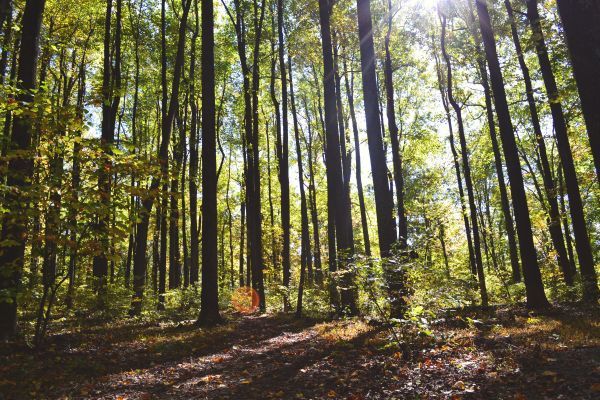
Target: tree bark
209	302
20	171
582	239
394	135
536	298
549	186
139	264
581	24
466	170
335	179
284	177
359	186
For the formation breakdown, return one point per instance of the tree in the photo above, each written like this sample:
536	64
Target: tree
536	298
549	186
394	136
209	306
335	179
581	19
284	177
111	86
466	167
20	171
141	240
582	240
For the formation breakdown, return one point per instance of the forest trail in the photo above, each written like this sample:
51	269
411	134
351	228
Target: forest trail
508	353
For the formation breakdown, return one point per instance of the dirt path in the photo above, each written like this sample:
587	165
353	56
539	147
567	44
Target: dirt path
262	357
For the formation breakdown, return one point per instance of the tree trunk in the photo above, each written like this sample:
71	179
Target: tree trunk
581	24
384	202
20	171
209	302
461	193
582	240
139	263
505	203
284	177
394	135
335	179
312	199
193	184
359	186
548	179
466	170
536	298
111	85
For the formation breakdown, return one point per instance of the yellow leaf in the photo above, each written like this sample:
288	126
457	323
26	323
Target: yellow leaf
331	394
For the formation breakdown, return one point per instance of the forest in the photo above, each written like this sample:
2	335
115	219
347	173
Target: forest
299	199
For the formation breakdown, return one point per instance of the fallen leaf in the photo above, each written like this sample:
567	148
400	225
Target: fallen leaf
459	385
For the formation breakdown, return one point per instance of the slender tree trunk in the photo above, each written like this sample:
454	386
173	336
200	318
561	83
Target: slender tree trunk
284	178
565	221
536	298
461	193
139	263
508	220
548	179
209	305
581	24
75	185
193	185
335	179
242	237
111	85
359	186
394	135
582	240
305	233
312	199
466	170
384	202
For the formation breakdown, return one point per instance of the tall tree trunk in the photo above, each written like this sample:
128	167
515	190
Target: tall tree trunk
394	135
312	199
209	302
335	179
461	193
548	179
536	298
111	85
193	184
384	202
139	263
257	247
174	249
581	24
284	177
466	169
359	186
75	185
20	171
346	160
582	240
305	233
508	220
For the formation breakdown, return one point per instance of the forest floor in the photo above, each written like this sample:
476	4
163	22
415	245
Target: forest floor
502	353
